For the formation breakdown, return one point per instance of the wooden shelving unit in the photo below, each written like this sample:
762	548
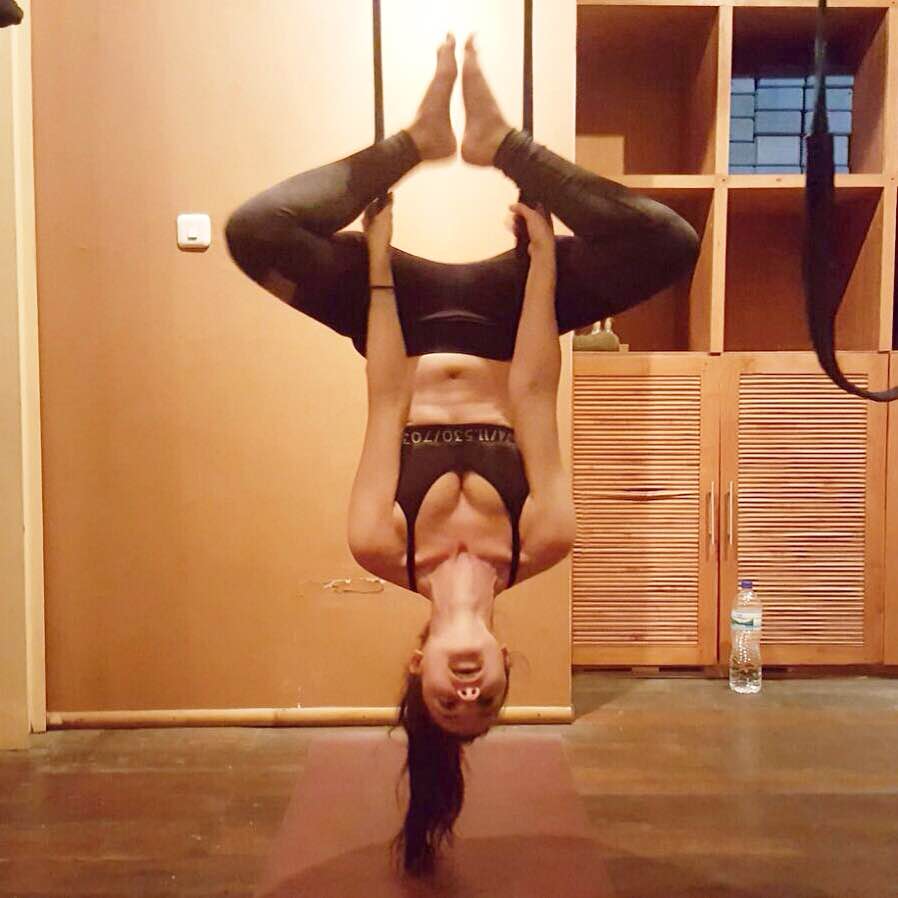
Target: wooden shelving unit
653	112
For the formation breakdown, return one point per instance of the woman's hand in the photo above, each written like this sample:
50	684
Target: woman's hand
378	225
539	228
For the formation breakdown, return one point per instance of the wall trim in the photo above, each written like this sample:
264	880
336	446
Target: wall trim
328	717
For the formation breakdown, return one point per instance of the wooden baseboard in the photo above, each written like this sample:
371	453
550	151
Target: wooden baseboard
772	671
310	717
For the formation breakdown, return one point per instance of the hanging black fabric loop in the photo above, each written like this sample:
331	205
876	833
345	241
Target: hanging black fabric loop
378	85
523	239
823	292
528	67
378	76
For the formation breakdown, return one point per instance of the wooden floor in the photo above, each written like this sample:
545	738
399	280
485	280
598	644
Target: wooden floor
692	791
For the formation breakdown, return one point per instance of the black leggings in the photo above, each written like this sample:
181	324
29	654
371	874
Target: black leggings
626	248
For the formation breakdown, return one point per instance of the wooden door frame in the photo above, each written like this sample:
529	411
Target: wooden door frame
876	366
890	611
23	637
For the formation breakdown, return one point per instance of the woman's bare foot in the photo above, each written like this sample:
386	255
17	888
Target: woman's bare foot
485	127
432	129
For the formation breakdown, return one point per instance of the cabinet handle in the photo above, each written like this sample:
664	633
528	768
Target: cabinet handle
711	522
730	514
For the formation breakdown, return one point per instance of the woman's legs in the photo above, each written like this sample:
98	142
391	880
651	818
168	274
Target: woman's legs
626	246
284	237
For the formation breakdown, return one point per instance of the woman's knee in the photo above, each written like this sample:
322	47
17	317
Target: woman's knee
681	245
244	235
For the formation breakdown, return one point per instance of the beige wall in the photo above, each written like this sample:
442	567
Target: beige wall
200	437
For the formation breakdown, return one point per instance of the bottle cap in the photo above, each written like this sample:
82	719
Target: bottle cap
745	584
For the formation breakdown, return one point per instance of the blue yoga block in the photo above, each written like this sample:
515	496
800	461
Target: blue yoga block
839	122
742	85
778	150
742	105
781	82
742	129
778	121
742	153
836	98
840	151
780	98
742	169
832	81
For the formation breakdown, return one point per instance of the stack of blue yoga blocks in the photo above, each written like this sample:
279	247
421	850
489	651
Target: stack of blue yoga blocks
769	117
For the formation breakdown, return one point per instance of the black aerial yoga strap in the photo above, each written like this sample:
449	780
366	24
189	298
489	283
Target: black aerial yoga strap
520	227
378	77
378	87
823	292
523	238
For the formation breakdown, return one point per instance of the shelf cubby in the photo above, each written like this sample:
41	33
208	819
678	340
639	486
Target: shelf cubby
764	304
653	109
780	39
677	318
647	88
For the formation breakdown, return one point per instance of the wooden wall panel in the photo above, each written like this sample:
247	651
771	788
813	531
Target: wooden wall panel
200	437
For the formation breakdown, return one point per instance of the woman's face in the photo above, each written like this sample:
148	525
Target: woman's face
463	681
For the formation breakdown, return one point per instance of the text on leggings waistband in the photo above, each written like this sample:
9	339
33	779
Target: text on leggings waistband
439	434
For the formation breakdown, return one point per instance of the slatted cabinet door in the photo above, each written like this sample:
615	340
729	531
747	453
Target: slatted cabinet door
645	459
803	505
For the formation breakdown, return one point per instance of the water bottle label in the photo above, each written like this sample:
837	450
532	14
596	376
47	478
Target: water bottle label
746	619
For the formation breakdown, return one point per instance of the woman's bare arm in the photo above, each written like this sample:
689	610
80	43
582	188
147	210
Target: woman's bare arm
536	363
548	524
390	372
390	376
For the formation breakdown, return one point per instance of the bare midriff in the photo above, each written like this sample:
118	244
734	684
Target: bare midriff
461	512
453	388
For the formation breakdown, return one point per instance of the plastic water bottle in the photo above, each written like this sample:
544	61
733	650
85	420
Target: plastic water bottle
745	631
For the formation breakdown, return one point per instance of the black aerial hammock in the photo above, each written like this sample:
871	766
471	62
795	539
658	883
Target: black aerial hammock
520	227
823	292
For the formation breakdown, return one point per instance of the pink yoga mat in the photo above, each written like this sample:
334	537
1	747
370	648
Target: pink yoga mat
523	832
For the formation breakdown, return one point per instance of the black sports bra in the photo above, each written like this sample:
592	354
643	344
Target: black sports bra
431	450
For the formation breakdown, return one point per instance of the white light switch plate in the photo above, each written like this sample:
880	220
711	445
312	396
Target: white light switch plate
194	231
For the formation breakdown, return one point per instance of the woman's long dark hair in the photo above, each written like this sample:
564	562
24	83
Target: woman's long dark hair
436	781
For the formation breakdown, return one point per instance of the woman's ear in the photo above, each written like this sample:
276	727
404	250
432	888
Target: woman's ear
414	666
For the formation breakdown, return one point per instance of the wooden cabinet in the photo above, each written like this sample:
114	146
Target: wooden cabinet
645	449
692	472
802	469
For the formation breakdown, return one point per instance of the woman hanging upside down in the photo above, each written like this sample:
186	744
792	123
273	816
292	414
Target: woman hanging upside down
460	490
